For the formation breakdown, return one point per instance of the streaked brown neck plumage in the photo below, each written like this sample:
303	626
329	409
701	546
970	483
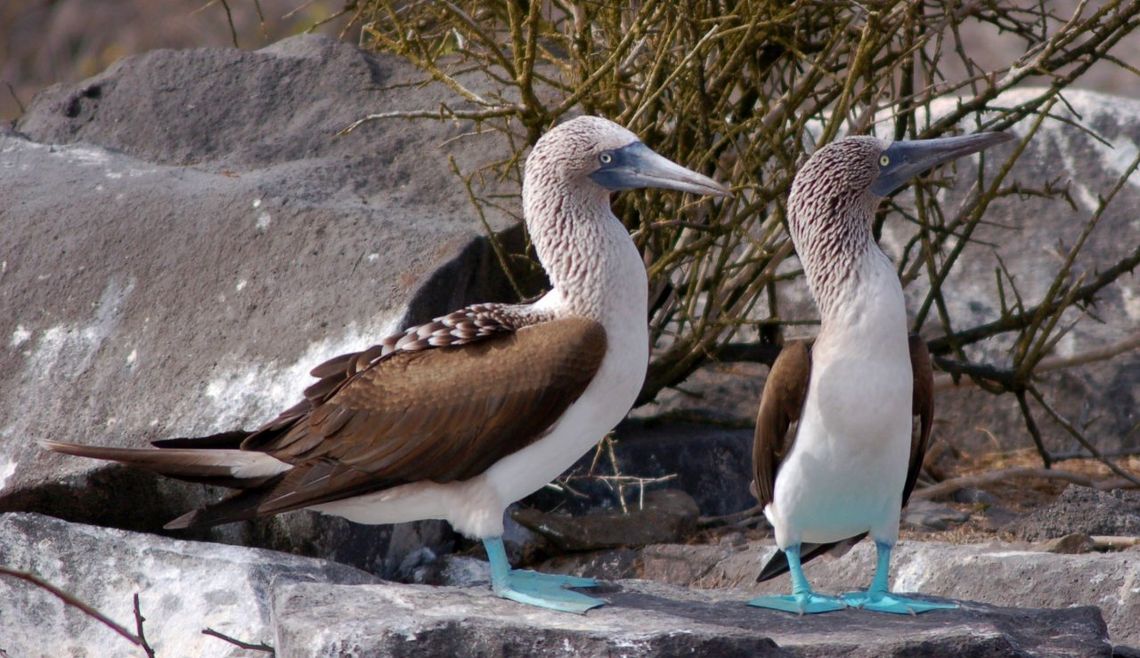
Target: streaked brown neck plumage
580	243
829	217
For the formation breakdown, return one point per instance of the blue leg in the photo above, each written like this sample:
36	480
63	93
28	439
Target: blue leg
878	597
802	600
533	588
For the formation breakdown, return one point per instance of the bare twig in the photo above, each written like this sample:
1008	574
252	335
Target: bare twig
261	646
73	602
947	487
945	380
1080	437
139	619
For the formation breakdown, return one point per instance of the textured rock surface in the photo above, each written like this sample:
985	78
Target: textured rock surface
1083	510
206	243
183	587
999	574
307	607
651	619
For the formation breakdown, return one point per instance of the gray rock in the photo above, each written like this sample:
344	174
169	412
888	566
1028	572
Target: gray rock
1027	232
668	516
651	619
932	516
185	238
1083	510
974	496
183	587
999	574
1077	542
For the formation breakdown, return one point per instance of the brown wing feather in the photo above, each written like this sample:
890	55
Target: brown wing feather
439	414
780	406
922	405
467	325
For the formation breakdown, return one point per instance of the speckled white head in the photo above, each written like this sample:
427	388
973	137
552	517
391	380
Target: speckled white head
566	202
835	194
593	156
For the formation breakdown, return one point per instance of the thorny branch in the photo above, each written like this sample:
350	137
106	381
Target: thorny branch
69	600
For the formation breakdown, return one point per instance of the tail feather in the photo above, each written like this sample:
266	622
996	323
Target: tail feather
241	506
778	564
226	467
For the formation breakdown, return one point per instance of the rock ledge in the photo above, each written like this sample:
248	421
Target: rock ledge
651	619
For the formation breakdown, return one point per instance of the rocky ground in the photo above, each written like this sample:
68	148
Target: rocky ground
165	224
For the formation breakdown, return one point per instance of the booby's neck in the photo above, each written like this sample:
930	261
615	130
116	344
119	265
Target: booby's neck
593	265
853	282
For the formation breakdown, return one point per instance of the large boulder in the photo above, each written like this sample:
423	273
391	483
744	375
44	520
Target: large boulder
185	236
308	607
183	587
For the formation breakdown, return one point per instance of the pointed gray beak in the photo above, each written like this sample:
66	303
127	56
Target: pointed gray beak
636	166
904	160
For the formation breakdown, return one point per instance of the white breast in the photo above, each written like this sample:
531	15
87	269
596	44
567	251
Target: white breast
609	396
846	471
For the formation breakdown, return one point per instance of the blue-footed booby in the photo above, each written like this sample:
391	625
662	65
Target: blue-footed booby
460	417
853	458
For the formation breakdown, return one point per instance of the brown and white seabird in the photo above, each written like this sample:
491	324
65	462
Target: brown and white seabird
460	417
851	462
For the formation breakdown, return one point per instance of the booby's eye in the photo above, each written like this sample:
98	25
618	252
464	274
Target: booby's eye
606	158
884	160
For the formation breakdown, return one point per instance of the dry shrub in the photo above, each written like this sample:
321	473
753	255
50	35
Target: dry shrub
741	91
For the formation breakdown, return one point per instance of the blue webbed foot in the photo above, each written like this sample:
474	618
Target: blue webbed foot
538	589
547	591
893	603
806	603
802	601
551	579
878	598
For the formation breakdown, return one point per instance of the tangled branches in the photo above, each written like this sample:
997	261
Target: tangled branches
741	91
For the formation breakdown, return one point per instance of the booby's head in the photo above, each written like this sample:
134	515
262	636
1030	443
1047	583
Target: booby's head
835	193
851	174
902	161
595	156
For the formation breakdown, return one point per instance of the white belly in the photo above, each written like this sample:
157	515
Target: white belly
847	467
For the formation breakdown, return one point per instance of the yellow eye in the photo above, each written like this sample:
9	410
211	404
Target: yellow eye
884	161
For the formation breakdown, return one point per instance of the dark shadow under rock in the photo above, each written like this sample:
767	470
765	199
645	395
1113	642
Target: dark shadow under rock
711	464
667	516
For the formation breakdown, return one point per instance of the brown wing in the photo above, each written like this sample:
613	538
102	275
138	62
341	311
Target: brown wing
463	327
438	414
922	405
780	406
